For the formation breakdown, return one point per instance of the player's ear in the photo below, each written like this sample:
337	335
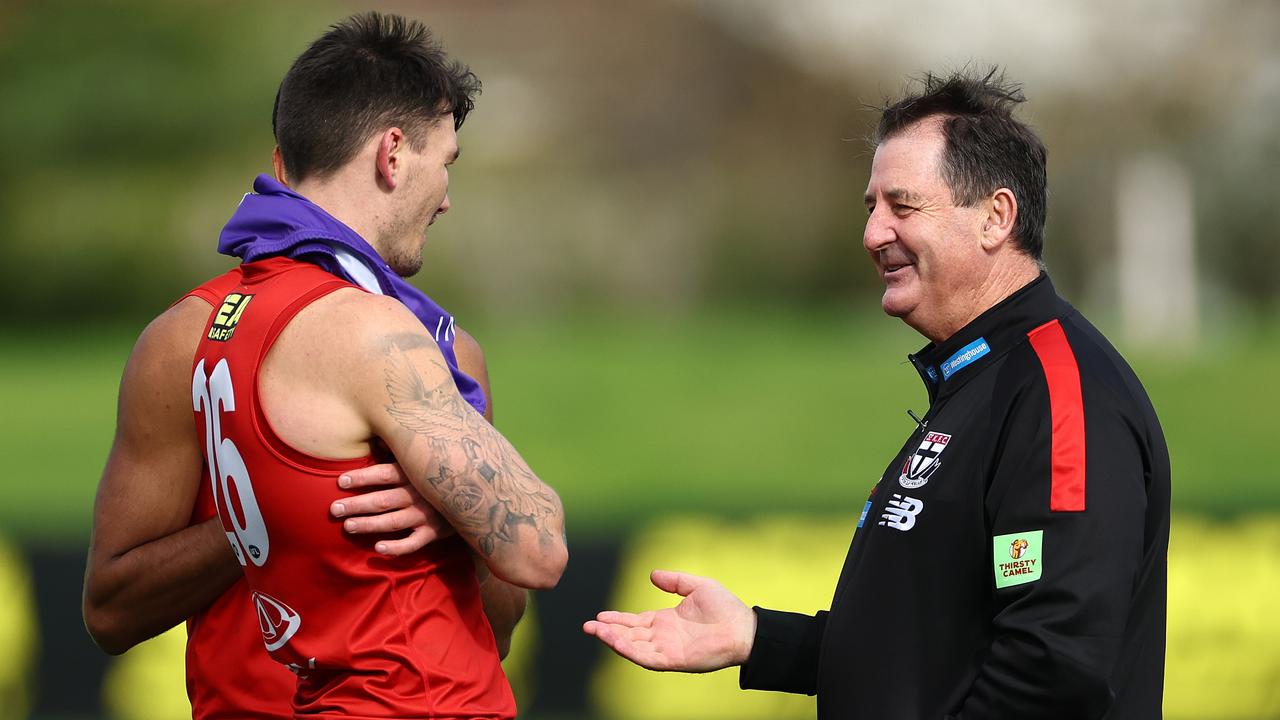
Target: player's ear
390	157
997	226
277	164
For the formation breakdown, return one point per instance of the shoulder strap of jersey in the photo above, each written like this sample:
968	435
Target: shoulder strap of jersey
246	323
270	439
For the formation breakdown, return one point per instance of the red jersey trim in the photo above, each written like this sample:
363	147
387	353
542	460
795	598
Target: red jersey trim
1066	406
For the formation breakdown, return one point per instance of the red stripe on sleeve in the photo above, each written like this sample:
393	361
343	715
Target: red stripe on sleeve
1066	406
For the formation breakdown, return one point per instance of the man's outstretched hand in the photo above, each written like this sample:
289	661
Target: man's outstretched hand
710	629
388	504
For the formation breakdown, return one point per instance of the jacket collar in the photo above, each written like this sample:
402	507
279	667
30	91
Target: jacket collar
946	366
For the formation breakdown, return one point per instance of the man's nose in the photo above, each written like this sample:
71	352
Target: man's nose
879	231
444	206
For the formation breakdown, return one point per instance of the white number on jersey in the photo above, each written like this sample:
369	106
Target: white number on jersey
226	466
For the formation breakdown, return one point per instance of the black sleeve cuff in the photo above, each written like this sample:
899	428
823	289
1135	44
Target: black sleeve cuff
784	656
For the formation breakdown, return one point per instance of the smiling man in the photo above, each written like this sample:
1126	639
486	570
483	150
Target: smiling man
1011	560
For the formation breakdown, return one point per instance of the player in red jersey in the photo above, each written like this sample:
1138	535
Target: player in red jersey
369	637
159	555
153	562
302	374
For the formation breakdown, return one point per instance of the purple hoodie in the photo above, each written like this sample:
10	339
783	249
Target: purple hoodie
274	220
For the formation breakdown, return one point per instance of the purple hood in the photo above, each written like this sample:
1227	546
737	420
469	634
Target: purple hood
274	220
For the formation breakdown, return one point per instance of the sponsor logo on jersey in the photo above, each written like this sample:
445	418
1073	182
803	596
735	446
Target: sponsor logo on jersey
900	512
866	508
447	330
278	621
924	462
863	517
964	356
1018	557
224	323
1017	547
301	670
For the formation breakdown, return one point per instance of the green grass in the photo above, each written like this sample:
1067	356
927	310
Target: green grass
733	413
59	395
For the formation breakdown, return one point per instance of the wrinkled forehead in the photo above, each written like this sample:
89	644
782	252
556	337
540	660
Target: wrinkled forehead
910	160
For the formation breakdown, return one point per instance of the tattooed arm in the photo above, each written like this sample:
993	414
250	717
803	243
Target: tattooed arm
504	603
453	456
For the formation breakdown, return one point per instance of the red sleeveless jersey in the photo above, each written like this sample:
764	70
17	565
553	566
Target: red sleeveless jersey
229	673
368	636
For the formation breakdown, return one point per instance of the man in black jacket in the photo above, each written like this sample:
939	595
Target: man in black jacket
1011	561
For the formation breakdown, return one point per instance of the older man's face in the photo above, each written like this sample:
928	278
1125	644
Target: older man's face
928	251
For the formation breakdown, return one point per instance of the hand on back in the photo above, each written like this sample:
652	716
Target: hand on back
388	504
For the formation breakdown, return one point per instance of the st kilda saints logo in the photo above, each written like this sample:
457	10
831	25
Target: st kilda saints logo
924	462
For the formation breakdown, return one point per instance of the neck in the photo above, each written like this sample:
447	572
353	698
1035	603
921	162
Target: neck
335	197
1003	280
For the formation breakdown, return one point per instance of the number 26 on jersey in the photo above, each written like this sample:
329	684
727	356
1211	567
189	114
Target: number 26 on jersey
212	395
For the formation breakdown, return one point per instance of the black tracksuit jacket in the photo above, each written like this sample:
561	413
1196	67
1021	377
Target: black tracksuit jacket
1011	561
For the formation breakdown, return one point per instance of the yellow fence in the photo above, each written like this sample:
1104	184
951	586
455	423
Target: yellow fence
1223	660
1223	657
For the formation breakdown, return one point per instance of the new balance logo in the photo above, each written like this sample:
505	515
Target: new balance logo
900	512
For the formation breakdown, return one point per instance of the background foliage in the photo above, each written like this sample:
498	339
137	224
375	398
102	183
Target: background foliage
656	236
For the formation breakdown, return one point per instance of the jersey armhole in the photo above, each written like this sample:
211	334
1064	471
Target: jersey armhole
266	433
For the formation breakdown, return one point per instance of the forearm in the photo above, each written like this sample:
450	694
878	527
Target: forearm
784	652
460	464
504	605
515	523
148	589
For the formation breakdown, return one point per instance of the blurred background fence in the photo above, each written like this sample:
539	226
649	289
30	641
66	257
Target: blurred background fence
656	236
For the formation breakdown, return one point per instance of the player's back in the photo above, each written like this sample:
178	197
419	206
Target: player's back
368	635
229	674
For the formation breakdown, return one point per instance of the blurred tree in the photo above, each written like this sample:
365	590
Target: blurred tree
655	155
114	113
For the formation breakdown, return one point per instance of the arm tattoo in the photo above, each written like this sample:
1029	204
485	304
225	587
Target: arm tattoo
483	485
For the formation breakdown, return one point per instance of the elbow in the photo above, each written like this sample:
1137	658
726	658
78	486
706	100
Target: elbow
108	633
551	567
113	627
540	570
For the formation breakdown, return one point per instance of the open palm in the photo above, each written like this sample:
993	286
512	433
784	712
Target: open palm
710	629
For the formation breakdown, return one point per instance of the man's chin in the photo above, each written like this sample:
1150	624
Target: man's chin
406	268
895	304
